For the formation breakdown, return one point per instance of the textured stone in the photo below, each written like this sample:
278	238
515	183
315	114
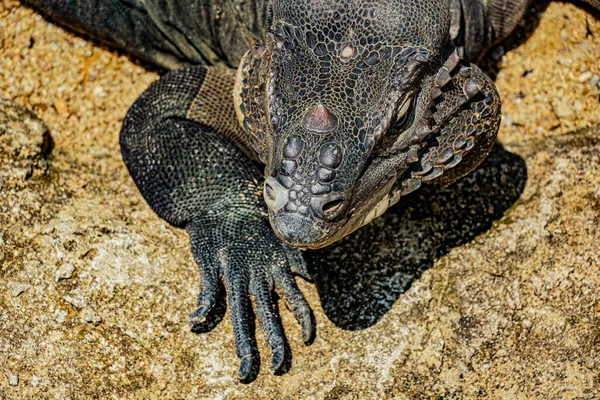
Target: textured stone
485	289
16	289
13	380
64	272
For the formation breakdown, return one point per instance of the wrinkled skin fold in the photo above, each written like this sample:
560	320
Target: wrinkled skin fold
289	124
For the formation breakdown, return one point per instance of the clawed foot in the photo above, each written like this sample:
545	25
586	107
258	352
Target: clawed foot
244	253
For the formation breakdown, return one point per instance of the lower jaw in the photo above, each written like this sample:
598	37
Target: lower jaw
353	224
347	229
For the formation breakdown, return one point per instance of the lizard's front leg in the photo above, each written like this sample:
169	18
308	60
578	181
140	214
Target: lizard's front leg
178	144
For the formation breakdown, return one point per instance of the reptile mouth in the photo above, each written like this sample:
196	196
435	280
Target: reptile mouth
299	216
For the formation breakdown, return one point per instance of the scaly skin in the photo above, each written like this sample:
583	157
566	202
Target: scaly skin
349	104
347	123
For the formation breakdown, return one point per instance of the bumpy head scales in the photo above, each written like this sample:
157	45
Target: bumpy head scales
346	101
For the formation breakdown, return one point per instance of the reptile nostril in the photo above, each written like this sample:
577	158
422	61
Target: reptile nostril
276	196
332	207
270	193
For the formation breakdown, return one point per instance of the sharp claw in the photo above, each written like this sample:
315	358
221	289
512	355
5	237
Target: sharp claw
295	301
308	330
246	365
199	315
278	357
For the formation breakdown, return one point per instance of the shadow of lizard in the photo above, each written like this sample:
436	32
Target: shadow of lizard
360	277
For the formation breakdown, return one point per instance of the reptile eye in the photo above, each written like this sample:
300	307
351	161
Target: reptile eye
405	115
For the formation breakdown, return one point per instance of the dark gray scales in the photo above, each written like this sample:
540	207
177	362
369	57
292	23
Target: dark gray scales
338	109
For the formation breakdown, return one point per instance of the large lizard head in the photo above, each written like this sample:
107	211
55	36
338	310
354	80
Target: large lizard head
342	103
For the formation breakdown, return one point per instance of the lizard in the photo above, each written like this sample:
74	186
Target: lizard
288	124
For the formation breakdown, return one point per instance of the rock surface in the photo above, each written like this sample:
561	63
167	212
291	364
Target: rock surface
486	289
